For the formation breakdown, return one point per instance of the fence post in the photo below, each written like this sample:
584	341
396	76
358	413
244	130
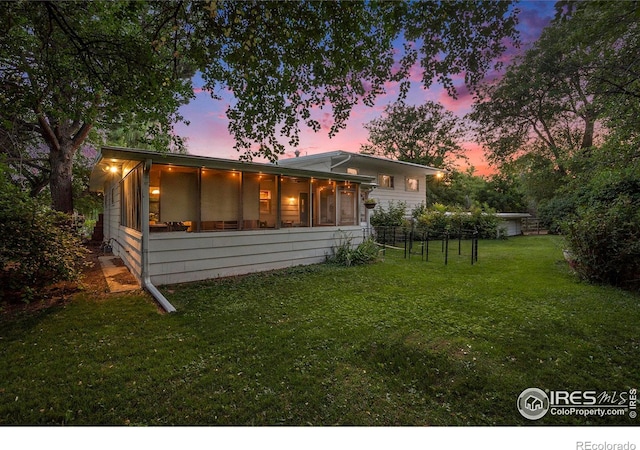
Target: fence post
427	245
405	246
476	252
446	254
474	247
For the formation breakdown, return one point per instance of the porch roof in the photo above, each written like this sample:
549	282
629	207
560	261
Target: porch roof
110	156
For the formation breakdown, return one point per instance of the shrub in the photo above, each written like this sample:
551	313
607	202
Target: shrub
38	246
393	216
440	219
554	212
345	254
604	235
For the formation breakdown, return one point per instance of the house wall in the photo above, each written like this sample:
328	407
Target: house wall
183	257
125	242
373	167
399	193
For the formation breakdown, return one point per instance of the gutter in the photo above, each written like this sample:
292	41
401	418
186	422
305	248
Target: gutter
146	278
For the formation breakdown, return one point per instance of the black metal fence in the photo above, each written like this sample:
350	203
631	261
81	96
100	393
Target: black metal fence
423	242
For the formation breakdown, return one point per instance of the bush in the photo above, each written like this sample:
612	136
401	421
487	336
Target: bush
440	219
393	216
604	235
38	246
554	212
345	254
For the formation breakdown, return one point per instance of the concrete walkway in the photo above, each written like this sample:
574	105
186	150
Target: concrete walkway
117	275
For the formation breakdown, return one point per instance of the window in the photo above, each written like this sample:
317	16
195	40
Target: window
131	199
352	171
385	181
202	199
173	198
411	184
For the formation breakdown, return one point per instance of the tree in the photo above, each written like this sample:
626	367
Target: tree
456	188
427	134
613	33
69	67
544	105
503	192
287	61
596	207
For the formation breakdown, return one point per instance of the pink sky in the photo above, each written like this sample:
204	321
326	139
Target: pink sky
207	134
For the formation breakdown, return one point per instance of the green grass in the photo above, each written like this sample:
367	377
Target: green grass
401	342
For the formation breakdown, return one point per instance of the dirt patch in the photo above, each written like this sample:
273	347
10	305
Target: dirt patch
93	280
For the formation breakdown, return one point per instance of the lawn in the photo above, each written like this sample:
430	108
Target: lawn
400	342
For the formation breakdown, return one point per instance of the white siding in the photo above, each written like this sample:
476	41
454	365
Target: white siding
182	257
513	227
412	199
399	193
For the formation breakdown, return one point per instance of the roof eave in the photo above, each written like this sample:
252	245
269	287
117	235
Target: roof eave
109	155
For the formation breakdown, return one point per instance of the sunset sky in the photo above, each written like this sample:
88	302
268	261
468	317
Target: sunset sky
207	134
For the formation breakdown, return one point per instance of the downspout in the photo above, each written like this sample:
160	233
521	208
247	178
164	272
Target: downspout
341	162
146	279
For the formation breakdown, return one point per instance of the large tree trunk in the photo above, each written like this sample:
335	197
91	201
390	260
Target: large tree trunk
63	139
61	161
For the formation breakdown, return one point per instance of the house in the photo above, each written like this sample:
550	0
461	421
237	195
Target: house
176	218
396	181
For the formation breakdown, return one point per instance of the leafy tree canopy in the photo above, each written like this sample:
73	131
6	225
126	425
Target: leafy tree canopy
543	105
69	67
427	134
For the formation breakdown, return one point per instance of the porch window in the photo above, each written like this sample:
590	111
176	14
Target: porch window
294	202
259	201
131	199
203	199
173	198
324	203
220	199
347	204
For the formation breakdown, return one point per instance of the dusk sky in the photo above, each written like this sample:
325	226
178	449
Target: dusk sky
207	134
